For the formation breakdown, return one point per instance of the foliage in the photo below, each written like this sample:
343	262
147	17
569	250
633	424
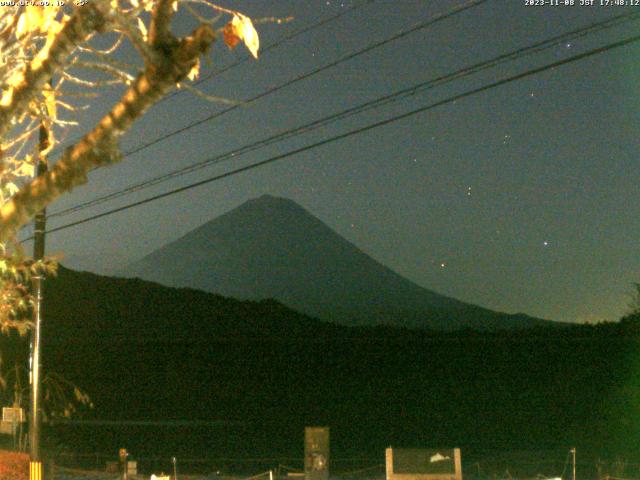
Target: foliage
631	321
634	304
14	466
62	398
16	301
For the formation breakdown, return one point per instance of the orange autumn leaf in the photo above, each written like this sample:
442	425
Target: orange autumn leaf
230	37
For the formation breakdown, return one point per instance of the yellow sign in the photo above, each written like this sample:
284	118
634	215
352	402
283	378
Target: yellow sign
35	470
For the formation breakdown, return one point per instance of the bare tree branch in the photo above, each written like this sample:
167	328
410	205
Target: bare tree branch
99	147
160	35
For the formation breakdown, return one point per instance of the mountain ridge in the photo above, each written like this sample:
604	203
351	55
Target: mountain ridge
146	351
271	247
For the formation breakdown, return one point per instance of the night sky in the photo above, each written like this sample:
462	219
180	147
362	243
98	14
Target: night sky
523	198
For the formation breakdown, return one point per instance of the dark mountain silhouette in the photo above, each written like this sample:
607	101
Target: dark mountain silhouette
273	248
150	352
87	306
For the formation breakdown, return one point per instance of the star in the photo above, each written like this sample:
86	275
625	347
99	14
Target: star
443	265
545	243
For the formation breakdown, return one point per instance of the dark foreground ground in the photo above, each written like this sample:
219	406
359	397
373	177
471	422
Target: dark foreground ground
539	465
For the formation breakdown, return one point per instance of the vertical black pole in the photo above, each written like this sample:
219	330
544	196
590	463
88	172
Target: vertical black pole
124	464
35	417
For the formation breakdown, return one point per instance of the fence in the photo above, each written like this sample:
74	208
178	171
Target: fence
499	466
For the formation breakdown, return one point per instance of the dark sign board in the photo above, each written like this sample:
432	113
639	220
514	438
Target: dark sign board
423	464
316	453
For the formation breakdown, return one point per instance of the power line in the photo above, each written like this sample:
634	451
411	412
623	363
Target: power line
393	97
366	128
403	33
420	26
273	46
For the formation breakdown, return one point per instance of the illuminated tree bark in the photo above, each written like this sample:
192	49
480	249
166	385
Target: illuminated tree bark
99	147
26	72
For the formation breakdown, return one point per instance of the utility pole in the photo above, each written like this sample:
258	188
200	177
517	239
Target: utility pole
35	407
573	452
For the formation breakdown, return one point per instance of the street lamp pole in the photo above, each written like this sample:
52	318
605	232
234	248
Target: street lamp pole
35	407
